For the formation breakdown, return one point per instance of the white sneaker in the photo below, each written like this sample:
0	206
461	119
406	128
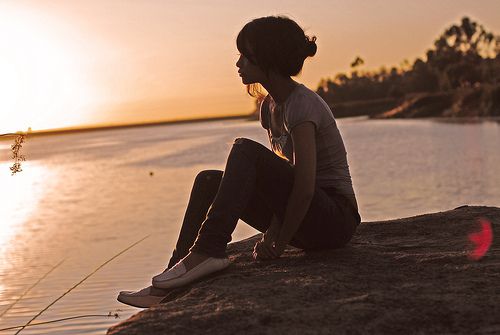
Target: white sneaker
143	298
178	276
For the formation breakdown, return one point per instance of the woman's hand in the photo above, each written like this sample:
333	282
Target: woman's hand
279	248
267	248
263	251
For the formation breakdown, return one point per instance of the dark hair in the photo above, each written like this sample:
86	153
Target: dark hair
278	44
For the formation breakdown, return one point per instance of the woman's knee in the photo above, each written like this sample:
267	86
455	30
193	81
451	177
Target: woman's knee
208	175
247	143
249	147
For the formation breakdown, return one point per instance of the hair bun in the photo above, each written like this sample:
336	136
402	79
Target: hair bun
310	47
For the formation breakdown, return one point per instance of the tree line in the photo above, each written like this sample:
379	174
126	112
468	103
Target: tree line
465	55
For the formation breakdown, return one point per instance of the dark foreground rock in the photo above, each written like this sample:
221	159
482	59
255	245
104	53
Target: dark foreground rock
404	276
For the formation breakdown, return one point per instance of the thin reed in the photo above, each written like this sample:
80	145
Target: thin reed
30	288
80	282
110	314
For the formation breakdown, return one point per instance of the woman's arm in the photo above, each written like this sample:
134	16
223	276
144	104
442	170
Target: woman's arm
304	144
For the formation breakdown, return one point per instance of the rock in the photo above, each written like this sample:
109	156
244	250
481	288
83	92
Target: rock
403	276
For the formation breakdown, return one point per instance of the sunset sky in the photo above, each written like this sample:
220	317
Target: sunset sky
80	63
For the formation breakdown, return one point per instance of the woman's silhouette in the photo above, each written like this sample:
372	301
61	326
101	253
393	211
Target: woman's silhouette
298	194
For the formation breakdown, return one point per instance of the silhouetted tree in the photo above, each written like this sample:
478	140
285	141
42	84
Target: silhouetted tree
464	55
358	61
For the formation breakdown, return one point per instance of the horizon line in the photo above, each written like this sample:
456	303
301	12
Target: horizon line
111	126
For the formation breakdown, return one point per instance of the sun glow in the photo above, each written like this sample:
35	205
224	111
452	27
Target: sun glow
41	84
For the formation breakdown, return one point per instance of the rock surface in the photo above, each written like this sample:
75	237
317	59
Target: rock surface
403	276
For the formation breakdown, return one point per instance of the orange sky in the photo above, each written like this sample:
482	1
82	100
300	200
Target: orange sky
72	63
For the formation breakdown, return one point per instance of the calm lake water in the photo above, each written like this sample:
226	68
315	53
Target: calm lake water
83	197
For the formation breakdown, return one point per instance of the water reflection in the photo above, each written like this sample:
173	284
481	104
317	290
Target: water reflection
19	199
83	197
465	120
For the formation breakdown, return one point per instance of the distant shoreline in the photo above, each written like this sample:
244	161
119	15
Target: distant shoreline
69	130
248	117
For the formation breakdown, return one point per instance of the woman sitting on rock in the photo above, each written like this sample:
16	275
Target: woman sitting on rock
298	194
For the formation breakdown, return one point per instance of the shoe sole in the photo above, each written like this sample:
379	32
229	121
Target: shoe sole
130	303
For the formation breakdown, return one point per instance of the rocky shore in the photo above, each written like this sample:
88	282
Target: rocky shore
403	276
478	101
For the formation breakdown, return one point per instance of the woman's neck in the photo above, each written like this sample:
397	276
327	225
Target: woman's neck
280	88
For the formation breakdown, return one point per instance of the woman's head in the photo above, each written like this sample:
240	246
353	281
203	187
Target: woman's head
274	44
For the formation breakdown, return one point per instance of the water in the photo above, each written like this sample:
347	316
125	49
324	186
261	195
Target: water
83	197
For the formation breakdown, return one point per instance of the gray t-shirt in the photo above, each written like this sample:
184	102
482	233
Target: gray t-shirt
305	105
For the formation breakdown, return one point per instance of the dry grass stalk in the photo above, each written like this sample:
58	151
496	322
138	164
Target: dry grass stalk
80	282
30	288
109	315
16	156
16	148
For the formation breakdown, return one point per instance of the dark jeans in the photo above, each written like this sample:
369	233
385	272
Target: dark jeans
255	185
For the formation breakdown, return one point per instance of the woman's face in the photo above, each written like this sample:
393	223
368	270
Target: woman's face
248	70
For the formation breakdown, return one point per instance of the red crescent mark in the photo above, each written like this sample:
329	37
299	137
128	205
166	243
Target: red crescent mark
481	240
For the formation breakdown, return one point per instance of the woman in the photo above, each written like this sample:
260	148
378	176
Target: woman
298	194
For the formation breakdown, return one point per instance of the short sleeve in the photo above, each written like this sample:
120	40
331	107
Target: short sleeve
264	112
302	110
